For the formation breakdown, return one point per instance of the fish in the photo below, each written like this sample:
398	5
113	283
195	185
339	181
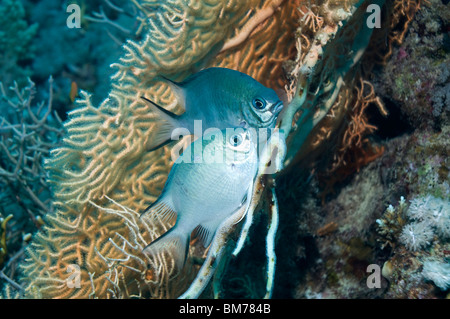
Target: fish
219	98
202	194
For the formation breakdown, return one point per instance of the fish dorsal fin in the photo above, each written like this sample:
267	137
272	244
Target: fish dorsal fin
178	90
206	231
161	209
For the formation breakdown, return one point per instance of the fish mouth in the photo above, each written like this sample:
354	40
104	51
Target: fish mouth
276	108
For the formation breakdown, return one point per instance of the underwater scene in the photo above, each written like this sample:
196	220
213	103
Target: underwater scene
228	149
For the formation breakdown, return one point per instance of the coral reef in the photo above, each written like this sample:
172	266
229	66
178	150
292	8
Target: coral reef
3	246
362	225
425	238
335	242
429	215
16	36
423	174
361	218
3	256
391	224
28	130
438	272
338	180
77	58
105	153
421	67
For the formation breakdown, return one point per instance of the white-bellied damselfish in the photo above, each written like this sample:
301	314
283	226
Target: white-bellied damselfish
204	188
219	98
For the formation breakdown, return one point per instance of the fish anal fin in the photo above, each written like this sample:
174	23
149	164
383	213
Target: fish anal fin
174	242
205	232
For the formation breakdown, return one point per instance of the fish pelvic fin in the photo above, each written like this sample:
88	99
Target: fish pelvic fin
163	134
175	242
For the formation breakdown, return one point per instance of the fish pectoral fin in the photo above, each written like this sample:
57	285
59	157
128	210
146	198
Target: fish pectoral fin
160	108
205	232
177	89
162	209
174	242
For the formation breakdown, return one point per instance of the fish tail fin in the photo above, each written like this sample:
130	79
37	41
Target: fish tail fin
174	241
164	133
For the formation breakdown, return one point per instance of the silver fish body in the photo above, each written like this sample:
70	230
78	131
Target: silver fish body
219	98
203	193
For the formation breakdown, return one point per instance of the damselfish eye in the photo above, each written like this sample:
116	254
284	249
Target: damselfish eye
259	104
235	140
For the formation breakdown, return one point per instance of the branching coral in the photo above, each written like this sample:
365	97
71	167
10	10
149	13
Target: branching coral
104	152
125	31
345	128
3	248
15	41
253	54
3	254
323	88
354	149
403	13
391	224
27	133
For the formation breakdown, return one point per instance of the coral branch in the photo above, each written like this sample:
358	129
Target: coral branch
259	17
25	144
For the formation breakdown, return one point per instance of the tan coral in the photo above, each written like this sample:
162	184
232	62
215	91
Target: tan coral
266	48
346	125
358	127
105	153
399	15
354	150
